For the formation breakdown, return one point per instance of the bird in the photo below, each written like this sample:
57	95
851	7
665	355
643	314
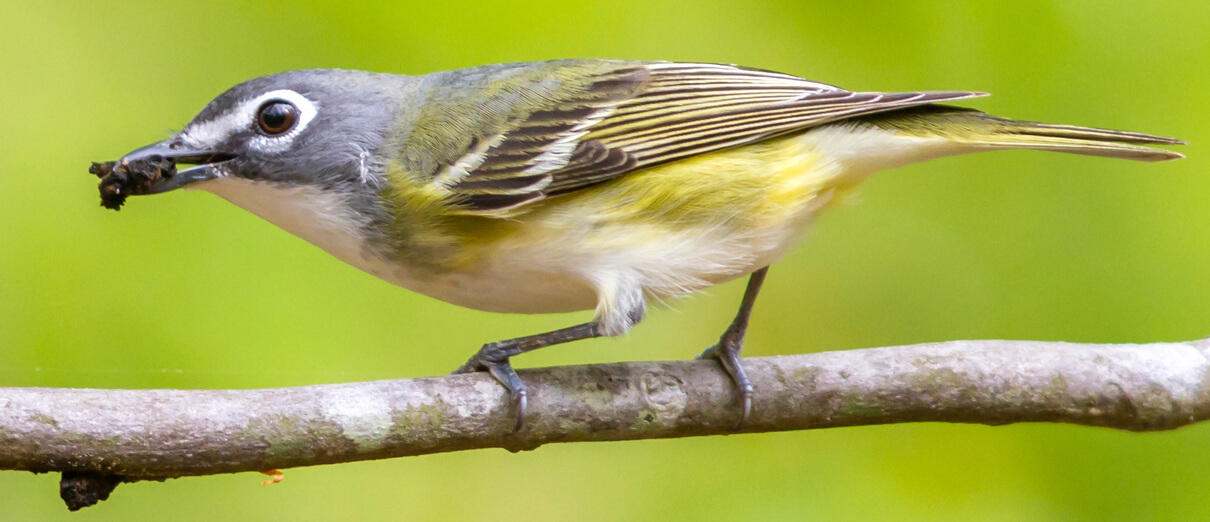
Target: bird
579	184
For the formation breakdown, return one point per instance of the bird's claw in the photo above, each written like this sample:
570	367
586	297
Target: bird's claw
728	355
492	358
521	404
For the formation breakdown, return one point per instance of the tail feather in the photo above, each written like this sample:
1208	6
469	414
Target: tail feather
987	132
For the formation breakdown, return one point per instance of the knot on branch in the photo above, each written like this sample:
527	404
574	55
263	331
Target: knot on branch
81	489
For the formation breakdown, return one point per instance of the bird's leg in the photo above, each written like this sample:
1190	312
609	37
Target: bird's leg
732	341
494	358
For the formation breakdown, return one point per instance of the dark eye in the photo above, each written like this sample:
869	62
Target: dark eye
276	117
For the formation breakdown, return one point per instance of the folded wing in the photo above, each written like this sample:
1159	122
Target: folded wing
640	116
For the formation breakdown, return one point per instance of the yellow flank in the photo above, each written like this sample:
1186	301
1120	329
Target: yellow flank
770	187
756	186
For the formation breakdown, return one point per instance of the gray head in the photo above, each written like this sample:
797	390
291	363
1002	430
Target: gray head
310	127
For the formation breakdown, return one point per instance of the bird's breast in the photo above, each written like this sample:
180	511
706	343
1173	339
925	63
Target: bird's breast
326	220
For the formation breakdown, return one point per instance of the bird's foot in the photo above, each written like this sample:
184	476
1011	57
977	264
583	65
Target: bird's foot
494	358
727	352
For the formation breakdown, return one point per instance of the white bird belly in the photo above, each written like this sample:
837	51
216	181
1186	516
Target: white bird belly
322	219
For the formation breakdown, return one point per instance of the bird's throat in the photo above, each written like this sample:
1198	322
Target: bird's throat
324	218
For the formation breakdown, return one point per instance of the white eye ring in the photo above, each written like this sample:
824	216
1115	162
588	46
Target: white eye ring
242	117
277	143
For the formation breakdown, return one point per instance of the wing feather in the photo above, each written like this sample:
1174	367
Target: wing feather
641	116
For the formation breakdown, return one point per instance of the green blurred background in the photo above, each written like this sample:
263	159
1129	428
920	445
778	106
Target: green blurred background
185	290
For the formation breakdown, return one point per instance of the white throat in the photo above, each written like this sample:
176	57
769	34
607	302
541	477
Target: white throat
320	217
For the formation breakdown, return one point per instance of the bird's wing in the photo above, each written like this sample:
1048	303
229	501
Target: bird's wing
642	115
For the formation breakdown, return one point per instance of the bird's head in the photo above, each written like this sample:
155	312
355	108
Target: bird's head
316	128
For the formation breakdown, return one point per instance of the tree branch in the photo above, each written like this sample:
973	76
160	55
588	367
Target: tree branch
106	436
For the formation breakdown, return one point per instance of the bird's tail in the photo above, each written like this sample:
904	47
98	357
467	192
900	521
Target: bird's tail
973	131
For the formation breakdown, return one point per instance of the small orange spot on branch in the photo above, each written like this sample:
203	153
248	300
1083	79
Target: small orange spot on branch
277	475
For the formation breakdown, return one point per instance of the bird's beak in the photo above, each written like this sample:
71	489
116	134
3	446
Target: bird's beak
205	164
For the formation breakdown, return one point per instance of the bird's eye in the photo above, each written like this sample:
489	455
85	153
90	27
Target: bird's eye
277	117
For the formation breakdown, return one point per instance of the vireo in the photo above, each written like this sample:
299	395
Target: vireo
574	184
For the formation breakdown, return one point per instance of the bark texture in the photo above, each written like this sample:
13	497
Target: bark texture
106	436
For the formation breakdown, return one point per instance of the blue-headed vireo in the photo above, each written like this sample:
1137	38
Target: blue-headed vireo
574	184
